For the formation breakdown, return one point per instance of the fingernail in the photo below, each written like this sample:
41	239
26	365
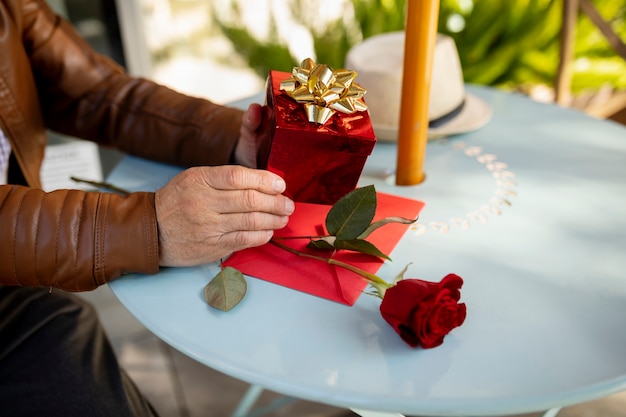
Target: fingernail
279	185
290	206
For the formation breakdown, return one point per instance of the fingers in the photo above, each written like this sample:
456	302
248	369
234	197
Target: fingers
252	201
205	213
246	149
229	243
242	240
251	221
252	118
233	177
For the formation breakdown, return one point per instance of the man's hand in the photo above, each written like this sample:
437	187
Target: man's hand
249	138
206	213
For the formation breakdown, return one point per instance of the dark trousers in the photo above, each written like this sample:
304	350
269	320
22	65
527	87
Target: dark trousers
55	359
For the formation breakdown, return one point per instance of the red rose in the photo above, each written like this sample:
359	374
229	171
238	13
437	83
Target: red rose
423	312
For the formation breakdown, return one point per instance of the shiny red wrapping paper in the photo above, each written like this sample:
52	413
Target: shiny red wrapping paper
319	163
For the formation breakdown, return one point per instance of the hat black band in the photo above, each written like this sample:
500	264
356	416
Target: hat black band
447	117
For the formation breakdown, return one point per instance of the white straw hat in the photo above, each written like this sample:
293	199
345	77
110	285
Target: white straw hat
378	61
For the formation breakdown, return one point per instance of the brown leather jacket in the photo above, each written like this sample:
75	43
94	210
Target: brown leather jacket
50	78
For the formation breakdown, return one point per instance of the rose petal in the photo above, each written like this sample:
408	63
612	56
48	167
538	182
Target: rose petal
424	312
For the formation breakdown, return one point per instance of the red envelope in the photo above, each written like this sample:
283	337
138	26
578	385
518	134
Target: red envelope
314	277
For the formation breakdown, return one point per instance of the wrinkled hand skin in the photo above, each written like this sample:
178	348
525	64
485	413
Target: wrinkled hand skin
206	213
249	138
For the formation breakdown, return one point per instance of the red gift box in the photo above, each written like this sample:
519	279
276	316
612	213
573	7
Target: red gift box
319	162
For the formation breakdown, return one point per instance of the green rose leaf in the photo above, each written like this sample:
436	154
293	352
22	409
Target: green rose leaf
326	243
226	289
383	222
362	246
400	276
352	214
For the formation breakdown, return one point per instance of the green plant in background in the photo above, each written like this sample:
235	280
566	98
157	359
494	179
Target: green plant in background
510	44
261	55
332	41
498	41
332	38
596	62
515	44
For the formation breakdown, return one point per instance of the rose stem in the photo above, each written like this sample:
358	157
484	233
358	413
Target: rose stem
371	277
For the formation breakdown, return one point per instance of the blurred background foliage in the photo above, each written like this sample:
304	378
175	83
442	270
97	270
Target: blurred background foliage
511	44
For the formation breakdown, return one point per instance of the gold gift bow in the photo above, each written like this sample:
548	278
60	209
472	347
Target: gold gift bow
324	91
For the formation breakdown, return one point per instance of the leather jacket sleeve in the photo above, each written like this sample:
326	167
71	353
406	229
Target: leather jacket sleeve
86	95
75	240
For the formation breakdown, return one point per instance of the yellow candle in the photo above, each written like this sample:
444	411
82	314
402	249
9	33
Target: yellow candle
420	37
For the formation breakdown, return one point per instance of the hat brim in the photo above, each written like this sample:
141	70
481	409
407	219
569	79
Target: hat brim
475	114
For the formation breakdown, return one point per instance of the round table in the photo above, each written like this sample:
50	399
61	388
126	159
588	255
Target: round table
529	210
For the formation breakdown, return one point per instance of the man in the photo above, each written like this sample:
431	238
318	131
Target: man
54	358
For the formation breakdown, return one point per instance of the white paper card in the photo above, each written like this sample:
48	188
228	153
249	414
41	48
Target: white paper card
77	158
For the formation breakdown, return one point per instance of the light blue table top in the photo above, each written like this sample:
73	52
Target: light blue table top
528	210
